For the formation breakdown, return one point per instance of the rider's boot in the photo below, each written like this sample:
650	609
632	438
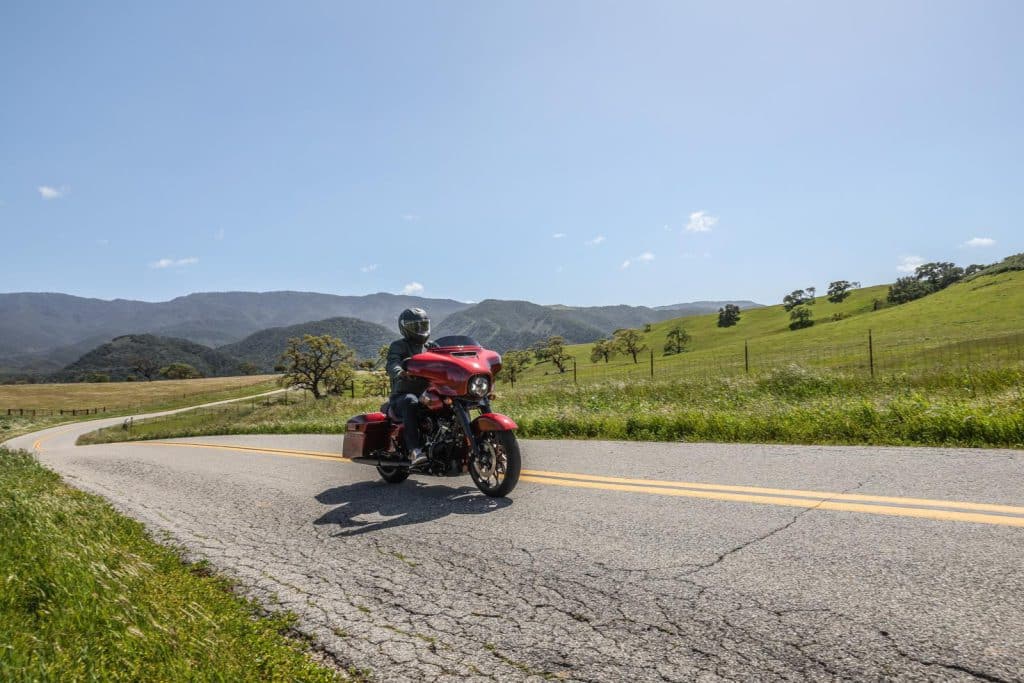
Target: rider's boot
417	457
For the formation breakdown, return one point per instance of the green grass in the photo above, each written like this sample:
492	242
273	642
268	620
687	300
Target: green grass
792	404
86	595
969	323
120	398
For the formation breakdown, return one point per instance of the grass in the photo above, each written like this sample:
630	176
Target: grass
792	404
117	397
972	321
87	595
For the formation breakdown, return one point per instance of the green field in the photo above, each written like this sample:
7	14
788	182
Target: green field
973	323
28	407
88	596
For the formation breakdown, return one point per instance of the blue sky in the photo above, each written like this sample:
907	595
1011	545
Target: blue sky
578	153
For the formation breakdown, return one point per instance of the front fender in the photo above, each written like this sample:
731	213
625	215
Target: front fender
493	422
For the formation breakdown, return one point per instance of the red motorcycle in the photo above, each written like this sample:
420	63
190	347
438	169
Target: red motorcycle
461	374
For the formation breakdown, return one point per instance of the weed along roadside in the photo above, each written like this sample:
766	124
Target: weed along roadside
790	405
89	596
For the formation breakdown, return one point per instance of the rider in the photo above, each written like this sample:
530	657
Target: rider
414	325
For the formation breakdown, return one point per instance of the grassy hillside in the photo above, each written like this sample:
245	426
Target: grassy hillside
265	347
973	320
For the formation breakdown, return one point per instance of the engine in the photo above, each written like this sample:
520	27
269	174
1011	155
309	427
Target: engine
444	443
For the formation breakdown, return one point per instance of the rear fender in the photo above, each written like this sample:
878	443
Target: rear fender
493	422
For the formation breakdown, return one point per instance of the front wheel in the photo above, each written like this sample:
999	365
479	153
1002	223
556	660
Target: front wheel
393	475
496	470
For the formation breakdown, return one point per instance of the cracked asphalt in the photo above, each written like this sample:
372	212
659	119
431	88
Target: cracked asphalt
431	581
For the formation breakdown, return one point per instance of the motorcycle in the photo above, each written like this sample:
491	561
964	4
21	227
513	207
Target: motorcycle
460	373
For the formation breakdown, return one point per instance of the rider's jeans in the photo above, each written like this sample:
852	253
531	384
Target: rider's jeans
407	407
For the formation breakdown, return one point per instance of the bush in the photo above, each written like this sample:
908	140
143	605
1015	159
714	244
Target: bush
796	381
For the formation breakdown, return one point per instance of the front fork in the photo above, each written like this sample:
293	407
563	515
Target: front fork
475	451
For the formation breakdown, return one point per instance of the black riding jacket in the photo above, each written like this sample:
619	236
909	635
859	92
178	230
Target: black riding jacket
400	350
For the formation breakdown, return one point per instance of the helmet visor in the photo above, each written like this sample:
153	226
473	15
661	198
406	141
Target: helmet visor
421	327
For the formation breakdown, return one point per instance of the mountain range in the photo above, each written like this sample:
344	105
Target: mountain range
40	333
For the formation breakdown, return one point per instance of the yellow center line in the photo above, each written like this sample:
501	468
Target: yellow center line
815	495
315	455
821	504
818	500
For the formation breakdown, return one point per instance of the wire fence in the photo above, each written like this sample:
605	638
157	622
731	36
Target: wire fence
871	357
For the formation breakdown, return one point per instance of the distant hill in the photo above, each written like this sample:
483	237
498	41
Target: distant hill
264	347
46	331
701	307
116	358
504	325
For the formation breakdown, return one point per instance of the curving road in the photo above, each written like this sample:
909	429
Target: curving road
611	561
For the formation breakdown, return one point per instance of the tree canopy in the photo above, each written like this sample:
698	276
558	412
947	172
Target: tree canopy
629	341
840	289
317	363
676	340
728	315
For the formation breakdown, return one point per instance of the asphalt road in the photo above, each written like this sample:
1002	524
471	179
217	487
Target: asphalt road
610	561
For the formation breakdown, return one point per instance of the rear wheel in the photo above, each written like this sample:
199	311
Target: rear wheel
393	475
496	470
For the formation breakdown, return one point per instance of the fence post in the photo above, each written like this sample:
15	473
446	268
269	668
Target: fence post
574	371
746	357
871	353
652	363
352	386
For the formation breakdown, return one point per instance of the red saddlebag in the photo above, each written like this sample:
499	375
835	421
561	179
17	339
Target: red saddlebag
365	434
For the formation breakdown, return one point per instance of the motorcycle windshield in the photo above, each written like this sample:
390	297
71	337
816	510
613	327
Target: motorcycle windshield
455	340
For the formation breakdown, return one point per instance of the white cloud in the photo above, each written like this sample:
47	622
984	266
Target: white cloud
701	221
219	235
909	264
47	192
370	268
174	263
645	257
412	288
103	242
558	236
979	242
411	217
594	242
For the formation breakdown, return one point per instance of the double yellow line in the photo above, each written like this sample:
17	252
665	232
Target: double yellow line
921	508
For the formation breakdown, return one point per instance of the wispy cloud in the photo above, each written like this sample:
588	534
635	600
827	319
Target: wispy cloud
909	264
701	221
103	242
370	268
558	236
174	263
645	257
412	288
410	217
979	242
596	241
219	235
49	192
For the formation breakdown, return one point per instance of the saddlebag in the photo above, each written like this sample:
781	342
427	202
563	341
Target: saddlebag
365	434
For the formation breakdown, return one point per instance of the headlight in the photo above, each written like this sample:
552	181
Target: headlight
479	386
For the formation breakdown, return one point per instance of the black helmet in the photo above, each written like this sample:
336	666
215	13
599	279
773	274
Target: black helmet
414	325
